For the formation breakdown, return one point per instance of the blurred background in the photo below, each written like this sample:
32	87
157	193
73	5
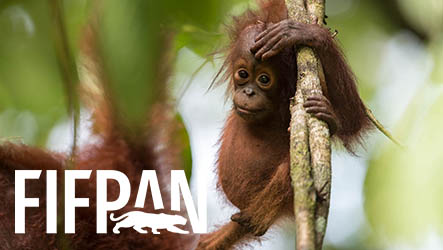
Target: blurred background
386	198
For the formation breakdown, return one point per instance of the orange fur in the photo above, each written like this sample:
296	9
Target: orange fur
253	160
155	149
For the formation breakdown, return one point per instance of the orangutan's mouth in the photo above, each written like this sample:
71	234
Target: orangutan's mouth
244	111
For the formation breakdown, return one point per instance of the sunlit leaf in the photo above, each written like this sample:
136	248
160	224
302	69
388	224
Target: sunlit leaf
182	137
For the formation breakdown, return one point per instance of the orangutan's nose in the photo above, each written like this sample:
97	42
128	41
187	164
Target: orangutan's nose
248	91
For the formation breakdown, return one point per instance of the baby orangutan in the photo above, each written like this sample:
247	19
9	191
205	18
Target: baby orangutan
253	161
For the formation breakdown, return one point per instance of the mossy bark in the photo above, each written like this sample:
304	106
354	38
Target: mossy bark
310	147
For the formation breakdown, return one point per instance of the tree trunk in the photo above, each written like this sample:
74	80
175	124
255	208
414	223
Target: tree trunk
310	146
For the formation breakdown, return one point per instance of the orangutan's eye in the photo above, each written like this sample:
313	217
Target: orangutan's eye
243	74
264	79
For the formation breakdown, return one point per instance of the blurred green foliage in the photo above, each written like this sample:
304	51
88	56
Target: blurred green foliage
29	76
134	56
133	36
182	136
403	187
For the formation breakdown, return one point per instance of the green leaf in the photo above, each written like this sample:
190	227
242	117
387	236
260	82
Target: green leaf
182	138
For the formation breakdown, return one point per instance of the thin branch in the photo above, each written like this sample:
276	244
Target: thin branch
70	78
380	127
68	68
